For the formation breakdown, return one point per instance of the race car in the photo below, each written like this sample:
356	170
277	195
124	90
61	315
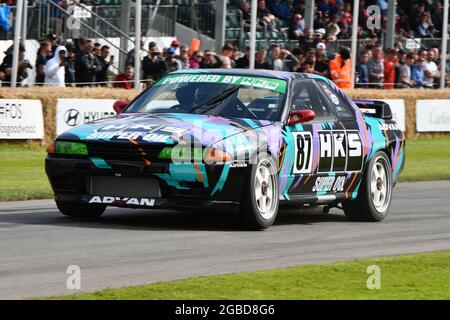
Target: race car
246	141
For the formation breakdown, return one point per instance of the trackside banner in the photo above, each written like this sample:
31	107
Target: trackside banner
74	112
21	119
277	85
433	115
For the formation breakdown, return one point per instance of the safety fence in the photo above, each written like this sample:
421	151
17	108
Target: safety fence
44	17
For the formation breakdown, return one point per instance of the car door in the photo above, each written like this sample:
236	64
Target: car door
308	145
349	142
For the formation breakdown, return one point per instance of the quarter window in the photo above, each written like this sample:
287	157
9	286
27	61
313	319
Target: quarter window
337	100
306	95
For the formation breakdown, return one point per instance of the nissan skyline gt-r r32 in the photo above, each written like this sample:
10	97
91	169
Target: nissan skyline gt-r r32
248	139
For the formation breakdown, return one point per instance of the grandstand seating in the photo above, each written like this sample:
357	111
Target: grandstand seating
237	33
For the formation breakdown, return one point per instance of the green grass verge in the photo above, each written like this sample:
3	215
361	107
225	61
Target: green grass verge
427	158
22	173
418	276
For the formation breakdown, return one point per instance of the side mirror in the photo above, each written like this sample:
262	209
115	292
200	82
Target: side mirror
299	116
119	105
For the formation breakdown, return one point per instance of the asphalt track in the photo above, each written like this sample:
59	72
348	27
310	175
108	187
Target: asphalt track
127	247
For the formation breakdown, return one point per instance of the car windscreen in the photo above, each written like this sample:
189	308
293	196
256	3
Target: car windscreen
218	95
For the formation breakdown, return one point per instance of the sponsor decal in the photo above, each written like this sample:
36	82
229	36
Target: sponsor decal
303	152
238	165
329	184
149	133
340	151
144	202
332	96
277	85
388	126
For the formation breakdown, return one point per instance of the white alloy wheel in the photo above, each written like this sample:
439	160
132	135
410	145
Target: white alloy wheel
380	186
264	188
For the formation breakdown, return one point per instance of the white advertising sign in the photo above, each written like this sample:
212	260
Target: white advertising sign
74	112
21	119
433	115
398	111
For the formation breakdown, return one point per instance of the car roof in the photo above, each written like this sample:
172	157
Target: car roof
250	72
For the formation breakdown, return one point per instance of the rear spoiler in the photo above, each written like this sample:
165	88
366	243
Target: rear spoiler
375	108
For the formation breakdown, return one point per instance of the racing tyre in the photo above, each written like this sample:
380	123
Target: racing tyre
374	197
80	210
259	203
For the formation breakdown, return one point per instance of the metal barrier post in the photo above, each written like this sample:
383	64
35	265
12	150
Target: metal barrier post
354	39
444	44
137	45
253	34
18	25
221	12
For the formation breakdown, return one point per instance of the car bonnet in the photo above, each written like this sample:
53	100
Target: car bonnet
169	128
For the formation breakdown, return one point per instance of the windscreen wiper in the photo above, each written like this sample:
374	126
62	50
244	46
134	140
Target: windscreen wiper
212	103
214	100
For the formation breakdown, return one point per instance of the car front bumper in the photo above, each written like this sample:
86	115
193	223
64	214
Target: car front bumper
183	186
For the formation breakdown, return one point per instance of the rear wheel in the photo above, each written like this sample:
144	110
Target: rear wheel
80	210
259	204
374	197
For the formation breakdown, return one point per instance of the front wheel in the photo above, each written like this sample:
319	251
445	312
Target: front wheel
374	197
259	203
80	210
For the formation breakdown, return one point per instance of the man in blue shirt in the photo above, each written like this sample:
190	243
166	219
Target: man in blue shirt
362	71
417	72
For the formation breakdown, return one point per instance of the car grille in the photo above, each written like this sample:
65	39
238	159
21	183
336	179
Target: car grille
123	186
125	151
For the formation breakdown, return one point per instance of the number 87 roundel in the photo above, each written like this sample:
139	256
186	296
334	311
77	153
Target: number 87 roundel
303	152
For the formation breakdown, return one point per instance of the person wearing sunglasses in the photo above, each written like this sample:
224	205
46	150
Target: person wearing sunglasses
196	58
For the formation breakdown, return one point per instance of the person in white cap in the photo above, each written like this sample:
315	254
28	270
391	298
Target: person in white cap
321	67
319	36
321	47
321	32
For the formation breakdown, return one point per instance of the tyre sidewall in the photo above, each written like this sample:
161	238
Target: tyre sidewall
377	215
263	223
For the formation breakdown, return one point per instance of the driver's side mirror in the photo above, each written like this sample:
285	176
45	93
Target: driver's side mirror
119	105
299	116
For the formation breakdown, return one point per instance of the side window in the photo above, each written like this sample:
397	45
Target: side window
305	95
343	109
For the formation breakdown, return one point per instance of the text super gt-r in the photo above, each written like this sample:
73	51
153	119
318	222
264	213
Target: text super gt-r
248	140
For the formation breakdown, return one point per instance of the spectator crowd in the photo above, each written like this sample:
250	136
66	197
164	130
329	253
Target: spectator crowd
86	63
415	18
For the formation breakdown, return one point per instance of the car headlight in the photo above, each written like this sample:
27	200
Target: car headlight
69	148
198	154
213	155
